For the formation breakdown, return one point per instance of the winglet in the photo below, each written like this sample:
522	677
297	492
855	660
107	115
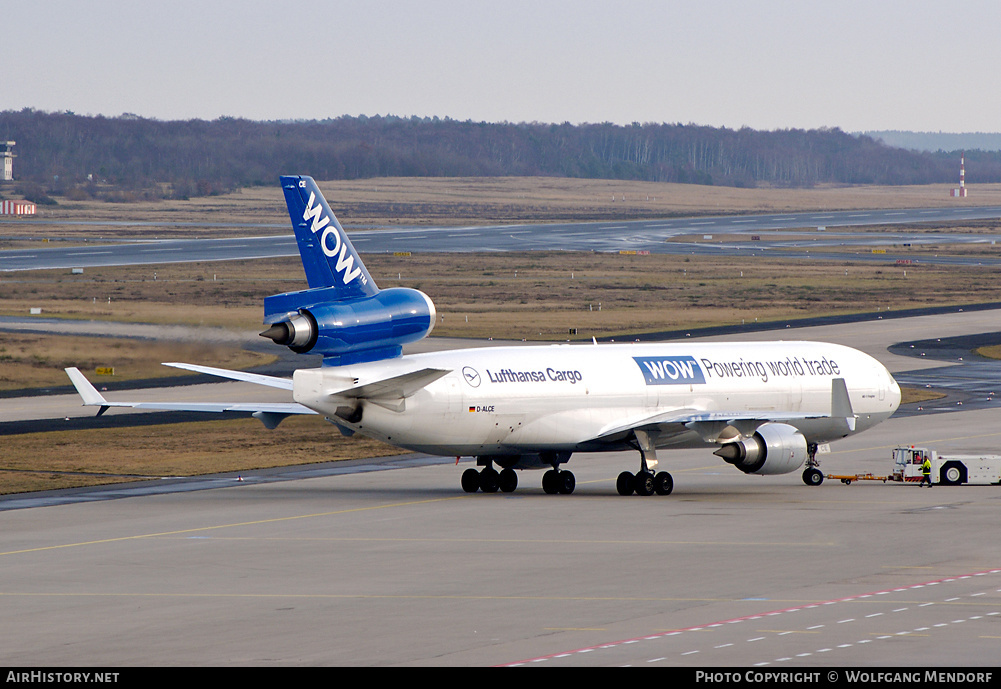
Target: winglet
91	397
841	403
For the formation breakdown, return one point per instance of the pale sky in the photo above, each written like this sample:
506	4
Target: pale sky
857	65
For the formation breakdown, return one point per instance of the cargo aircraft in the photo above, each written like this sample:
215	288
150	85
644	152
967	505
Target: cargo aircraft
763	407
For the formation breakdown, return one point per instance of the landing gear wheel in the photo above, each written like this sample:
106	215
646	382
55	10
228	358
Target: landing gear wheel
566	482
644	483
549	482
489	480
624	483
813	477
470	480
507	481
562	482
663	483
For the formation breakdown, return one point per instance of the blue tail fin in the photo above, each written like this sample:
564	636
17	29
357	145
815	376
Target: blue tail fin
328	257
343	315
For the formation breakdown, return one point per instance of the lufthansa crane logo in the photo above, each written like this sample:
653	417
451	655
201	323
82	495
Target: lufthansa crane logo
471	376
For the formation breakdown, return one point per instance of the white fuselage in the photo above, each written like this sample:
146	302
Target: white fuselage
520	400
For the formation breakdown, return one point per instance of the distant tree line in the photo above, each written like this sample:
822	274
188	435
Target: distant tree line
130	157
939	141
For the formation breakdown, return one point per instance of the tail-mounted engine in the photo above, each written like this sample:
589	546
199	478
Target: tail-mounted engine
775	448
348	331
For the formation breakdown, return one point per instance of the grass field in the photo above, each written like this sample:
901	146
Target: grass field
65	459
540	296
536	296
29	360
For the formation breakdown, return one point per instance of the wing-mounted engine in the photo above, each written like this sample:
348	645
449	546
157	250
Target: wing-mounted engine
775	448
349	330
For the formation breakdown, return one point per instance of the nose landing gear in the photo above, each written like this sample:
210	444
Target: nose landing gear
812	476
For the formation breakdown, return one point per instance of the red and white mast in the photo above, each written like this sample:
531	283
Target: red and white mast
960	192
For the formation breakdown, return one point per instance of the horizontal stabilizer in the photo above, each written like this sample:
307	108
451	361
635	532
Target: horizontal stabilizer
397	387
255	378
313	386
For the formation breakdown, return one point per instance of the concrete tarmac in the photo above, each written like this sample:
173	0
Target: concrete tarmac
400	567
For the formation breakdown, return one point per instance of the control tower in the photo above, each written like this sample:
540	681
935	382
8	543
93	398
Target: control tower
8	161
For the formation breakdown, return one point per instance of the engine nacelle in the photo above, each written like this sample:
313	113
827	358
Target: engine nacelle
349	331
775	448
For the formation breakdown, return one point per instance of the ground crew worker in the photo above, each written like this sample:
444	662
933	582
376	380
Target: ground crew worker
925	472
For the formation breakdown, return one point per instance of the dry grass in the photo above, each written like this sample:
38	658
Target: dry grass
989	352
460	201
913	395
553	292
537	295
29	360
64	459
224	295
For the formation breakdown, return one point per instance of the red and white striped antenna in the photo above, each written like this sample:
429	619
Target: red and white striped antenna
960	192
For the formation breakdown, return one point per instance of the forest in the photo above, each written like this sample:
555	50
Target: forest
130	157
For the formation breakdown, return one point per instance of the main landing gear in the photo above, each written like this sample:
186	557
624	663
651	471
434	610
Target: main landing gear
812	476
489	480
554	482
646	481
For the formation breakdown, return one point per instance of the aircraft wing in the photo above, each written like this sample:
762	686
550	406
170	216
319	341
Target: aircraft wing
388	392
709	424
706	424
270	413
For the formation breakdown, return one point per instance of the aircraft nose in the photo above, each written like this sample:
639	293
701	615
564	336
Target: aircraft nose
893	394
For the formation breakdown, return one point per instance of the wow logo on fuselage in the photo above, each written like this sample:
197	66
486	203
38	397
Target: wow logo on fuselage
670	370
